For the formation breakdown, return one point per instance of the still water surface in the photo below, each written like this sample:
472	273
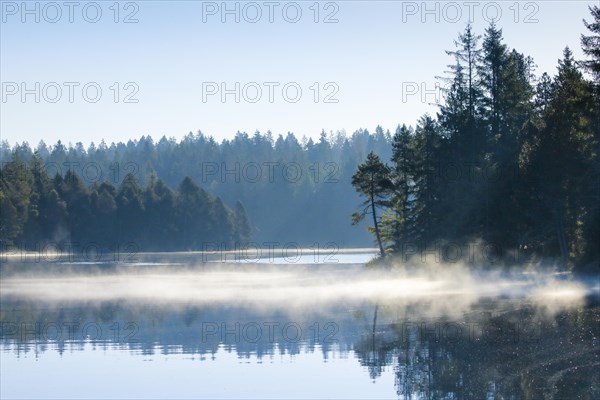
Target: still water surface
167	326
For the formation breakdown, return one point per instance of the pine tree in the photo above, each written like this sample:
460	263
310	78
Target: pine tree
130	210
193	210
160	221
491	72
396	225
591	44
104	213
427	191
542	92
465	80
372	180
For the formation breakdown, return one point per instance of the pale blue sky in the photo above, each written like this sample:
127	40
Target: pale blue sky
373	49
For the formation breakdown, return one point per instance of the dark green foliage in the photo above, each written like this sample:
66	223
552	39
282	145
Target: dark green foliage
64	212
591	44
509	162
559	159
160	204
396	222
15	196
372	180
193	213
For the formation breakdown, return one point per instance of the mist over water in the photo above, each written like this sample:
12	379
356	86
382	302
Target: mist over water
446	288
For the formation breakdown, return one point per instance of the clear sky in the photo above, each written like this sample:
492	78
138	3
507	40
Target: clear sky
175	58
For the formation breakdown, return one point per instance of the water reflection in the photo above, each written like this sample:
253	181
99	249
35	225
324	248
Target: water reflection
451	334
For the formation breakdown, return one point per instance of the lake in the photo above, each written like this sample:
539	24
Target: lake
171	325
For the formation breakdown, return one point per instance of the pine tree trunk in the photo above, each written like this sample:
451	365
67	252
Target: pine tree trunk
375	221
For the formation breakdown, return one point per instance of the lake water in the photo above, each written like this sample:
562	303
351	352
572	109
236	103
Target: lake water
170	326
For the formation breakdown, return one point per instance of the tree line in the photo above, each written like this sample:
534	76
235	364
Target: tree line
511	159
277	179
37	209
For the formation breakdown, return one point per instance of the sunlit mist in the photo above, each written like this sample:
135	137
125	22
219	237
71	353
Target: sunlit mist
445	288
